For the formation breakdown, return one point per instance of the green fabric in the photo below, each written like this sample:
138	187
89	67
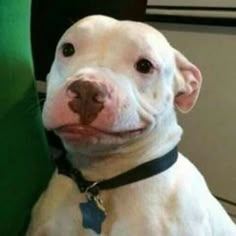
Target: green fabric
25	167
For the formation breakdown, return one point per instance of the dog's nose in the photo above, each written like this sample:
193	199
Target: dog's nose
88	99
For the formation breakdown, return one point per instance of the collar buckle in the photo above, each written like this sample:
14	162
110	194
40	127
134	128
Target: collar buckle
92	189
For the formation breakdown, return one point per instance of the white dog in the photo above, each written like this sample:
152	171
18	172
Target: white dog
111	98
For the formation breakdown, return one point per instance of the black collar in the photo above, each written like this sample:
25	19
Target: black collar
143	171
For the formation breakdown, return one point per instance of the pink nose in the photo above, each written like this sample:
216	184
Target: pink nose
88	100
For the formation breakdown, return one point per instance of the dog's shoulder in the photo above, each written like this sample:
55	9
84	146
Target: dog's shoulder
198	202
192	187
60	193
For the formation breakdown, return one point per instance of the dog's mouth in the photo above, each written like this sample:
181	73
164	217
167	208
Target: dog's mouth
75	132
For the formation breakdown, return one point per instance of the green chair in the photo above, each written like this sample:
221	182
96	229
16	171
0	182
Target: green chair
25	166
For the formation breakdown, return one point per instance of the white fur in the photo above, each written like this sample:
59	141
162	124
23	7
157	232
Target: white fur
176	202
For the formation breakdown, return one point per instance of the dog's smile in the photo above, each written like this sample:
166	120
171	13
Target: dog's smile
73	133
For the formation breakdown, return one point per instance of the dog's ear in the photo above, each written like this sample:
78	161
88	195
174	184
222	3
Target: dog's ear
188	83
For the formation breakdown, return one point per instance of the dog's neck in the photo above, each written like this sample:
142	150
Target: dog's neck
156	144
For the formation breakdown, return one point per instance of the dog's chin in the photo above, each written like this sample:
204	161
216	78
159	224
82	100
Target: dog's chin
77	137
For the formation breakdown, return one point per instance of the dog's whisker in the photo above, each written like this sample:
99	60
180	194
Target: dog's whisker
33	106
42	100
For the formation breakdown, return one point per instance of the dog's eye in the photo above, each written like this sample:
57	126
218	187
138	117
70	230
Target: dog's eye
68	49
143	66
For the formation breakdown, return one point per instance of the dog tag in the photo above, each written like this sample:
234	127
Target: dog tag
93	214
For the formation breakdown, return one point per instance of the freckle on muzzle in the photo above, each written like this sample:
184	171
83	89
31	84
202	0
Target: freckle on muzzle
88	99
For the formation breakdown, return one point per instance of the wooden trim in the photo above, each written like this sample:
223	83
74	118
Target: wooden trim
200	8
214	21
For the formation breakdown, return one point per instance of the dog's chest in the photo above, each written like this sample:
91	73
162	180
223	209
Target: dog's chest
136	209
127	214
150	207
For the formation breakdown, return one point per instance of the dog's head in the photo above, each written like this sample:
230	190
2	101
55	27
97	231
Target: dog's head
115	81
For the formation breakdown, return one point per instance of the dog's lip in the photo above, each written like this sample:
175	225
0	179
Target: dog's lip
76	129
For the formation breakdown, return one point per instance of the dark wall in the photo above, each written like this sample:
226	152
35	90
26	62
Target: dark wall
51	18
